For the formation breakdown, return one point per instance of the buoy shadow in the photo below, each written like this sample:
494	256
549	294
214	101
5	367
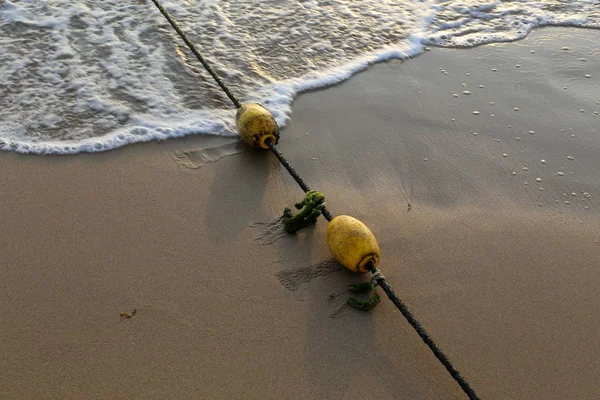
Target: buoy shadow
342	349
238	187
342	345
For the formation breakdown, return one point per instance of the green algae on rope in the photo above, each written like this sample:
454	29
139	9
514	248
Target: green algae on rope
310	208
364	287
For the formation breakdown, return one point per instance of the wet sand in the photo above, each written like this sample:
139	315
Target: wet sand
504	275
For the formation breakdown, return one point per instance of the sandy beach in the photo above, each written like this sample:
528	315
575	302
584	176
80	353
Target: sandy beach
498	254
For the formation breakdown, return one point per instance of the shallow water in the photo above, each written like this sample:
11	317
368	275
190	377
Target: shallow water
84	75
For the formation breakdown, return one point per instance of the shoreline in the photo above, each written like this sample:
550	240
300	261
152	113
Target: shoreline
293	88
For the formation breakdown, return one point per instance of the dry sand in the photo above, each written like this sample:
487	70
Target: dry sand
503	276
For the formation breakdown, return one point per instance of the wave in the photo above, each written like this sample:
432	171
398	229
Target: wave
88	76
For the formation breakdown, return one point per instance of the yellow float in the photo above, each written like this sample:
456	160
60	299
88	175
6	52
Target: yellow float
256	125
352	243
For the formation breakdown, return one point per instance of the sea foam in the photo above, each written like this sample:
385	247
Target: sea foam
87	76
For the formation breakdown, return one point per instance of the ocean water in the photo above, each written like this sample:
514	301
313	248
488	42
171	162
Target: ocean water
87	75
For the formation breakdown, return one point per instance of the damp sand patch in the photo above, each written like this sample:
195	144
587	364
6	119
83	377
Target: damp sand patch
269	232
194	159
292	280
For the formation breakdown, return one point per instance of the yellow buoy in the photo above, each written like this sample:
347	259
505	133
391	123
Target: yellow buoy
256	125
352	243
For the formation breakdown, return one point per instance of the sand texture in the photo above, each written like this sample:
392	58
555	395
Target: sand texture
500	269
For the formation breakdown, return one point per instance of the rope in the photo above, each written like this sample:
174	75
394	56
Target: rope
422	333
295	175
192	48
377	275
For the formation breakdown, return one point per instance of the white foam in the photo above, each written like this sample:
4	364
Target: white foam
88	76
